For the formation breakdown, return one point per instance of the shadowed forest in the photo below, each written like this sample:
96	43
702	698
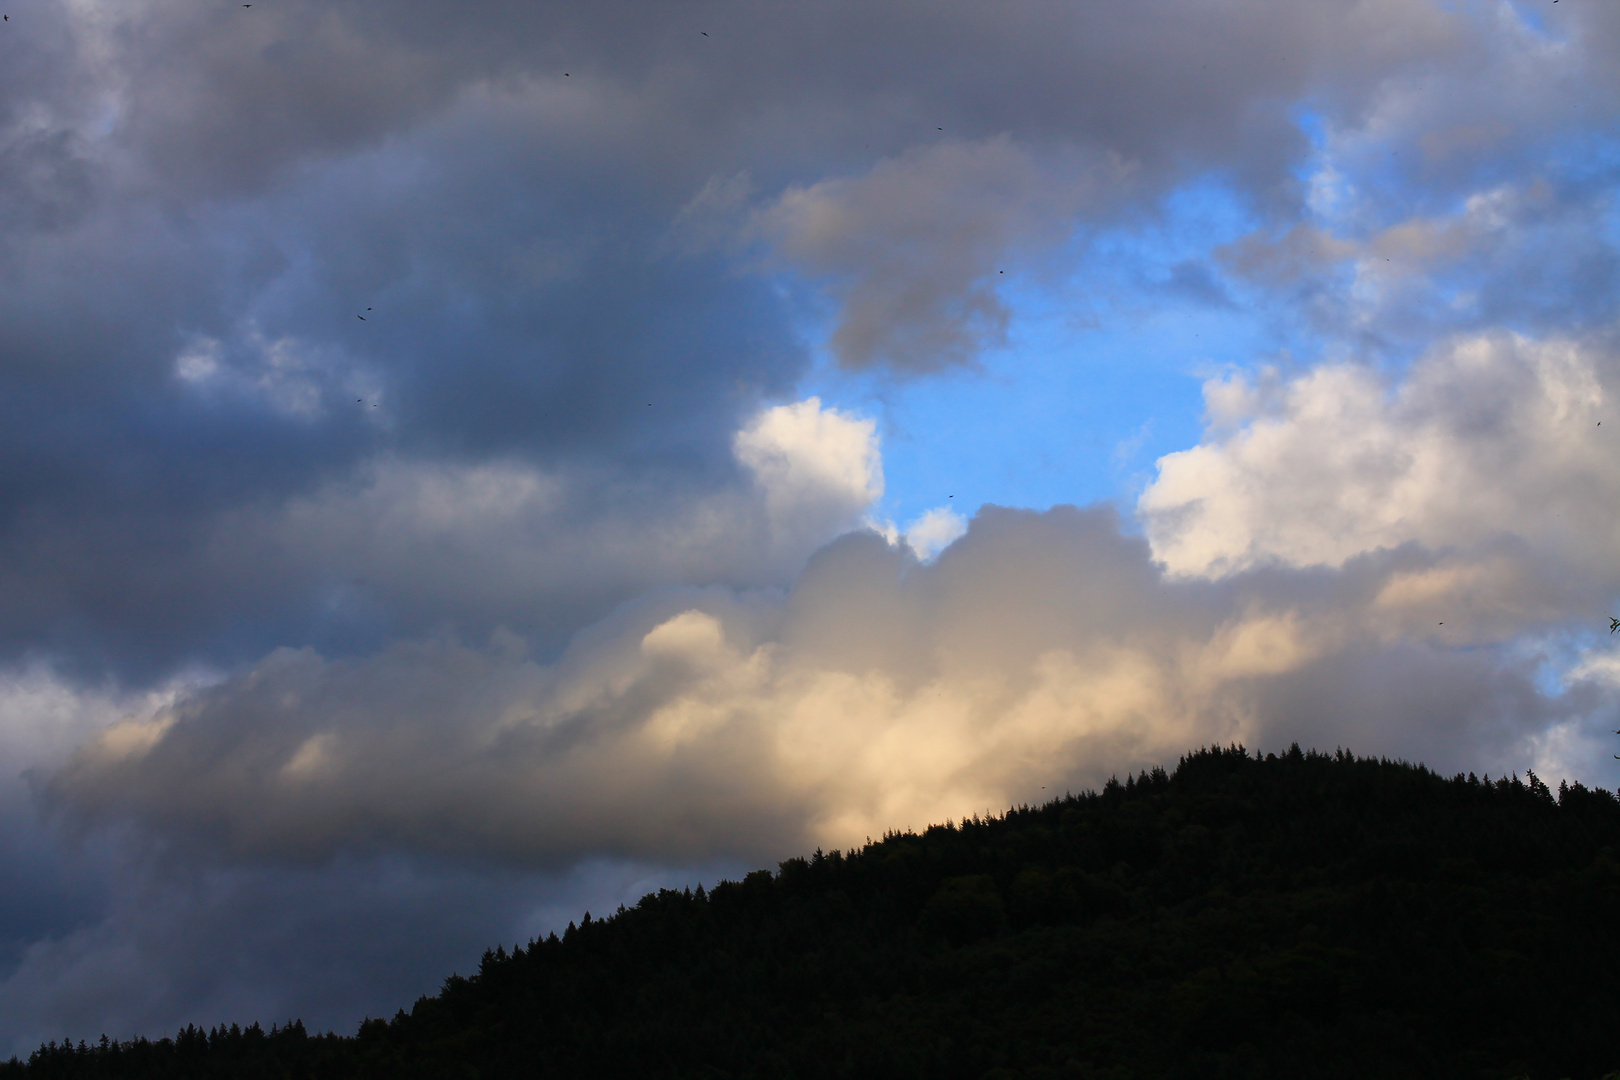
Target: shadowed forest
1303	914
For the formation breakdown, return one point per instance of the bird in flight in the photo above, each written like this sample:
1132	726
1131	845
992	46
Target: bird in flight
1614	624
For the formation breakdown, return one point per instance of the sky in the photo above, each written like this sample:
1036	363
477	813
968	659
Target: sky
466	465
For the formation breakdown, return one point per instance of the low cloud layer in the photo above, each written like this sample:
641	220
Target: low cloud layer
1039	651
329	945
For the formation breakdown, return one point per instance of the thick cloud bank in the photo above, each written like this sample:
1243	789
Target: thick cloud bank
1039	651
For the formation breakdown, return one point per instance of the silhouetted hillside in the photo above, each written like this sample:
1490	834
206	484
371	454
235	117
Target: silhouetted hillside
1301	915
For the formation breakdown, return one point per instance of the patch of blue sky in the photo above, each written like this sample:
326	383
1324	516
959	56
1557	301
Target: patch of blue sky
1532	15
1102	374
1587	158
1551	678
1611	218
1563	657
1314	125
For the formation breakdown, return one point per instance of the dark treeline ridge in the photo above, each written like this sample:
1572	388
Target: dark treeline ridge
1301	914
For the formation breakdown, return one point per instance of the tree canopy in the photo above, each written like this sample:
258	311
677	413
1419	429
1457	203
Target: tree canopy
1295	914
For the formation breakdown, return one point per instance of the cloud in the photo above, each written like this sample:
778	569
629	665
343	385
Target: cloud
820	470
1529	254
934	531
1476	483
189	244
913	249
401	543
1039	650
263	92
1489	444
112	933
208	945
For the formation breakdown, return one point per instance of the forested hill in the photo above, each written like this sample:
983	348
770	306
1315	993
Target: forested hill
1298	915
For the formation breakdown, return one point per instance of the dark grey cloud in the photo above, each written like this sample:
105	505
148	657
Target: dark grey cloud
123	932
183	944
46	894
219	97
1196	281
126	469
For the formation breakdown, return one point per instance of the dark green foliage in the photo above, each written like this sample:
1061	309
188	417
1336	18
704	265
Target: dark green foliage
1302	915
963	909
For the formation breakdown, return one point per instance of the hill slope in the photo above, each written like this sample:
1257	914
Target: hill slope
1301	914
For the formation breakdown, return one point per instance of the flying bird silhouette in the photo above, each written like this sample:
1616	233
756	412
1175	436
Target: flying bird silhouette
1614	624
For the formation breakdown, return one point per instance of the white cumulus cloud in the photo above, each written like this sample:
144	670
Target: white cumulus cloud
1489	440
934	531
820	470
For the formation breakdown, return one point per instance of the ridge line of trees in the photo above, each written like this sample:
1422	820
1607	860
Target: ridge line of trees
1242	915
